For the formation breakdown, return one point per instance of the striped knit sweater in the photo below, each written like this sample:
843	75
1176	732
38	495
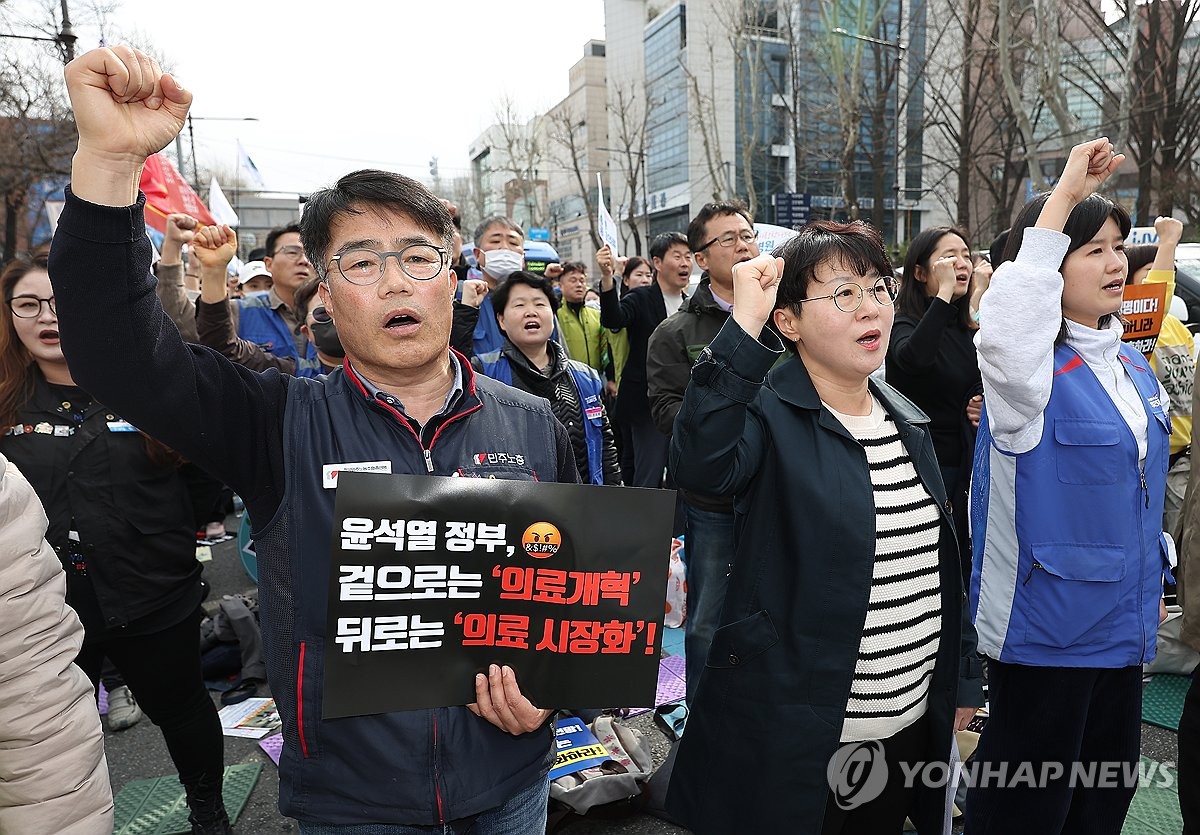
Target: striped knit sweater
900	636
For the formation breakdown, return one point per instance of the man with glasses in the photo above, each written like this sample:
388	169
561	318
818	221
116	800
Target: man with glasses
586	339
719	236
380	243
272	321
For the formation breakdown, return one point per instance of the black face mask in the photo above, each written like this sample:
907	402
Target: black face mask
325	335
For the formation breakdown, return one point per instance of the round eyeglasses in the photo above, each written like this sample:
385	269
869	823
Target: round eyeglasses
848	297
30	307
365	266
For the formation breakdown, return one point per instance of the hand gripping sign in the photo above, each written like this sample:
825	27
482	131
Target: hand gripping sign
432	579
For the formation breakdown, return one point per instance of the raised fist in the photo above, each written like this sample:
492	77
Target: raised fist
215	246
474	291
755	285
181	228
126	108
1170	230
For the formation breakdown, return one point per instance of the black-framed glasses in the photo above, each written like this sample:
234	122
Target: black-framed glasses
291	251
30	307
848	297
727	240
365	266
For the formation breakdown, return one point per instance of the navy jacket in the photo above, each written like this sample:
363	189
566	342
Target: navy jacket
269	437
780	668
639	312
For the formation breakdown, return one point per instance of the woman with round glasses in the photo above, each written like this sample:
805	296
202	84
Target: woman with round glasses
121	520
843	647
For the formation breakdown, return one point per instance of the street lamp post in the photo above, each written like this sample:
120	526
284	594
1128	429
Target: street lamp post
900	49
65	38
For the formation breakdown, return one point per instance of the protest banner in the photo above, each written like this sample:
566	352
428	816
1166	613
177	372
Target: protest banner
575	748
606	226
771	237
433	579
167	192
1143	307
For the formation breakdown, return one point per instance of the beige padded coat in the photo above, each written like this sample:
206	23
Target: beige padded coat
53	775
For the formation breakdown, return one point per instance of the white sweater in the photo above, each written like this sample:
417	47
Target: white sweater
1020	316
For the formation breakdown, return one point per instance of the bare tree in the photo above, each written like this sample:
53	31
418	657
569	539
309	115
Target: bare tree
843	60
702	70
37	138
627	134
971	129
567	140
523	156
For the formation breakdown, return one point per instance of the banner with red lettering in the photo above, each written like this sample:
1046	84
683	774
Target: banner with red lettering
167	192
433	579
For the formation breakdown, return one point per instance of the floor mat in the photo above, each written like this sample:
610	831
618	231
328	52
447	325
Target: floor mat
672	642
1162	700
670	687
1155	807
157	807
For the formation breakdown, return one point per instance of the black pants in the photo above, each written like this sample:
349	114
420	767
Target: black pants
885	813
1056	716
163	670
1189	759
649	452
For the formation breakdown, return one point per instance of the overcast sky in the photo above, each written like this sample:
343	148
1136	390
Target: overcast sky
356	83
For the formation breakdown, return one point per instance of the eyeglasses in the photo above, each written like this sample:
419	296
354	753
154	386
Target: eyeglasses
294	252
30	307
365	266
730	238
848	297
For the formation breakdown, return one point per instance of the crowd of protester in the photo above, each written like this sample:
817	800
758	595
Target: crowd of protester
894	487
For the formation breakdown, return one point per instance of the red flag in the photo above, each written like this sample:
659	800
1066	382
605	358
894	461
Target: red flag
167	192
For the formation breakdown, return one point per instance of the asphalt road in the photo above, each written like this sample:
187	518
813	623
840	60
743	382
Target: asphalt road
139	752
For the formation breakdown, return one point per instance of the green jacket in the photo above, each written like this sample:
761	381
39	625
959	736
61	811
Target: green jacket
586	339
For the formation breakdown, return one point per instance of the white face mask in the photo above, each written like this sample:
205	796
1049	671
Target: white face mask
594	304
501	263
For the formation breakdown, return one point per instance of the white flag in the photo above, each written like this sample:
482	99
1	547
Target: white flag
606	227
219	207
248	169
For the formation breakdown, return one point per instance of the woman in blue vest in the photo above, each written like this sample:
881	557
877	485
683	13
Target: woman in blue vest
531	361
1067	500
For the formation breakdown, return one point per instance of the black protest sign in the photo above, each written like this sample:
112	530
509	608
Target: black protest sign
432	579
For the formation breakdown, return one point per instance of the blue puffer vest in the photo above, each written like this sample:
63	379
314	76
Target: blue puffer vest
590	388
259	324
1069	554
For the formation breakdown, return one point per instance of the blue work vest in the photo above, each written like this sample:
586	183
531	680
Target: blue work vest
590	388
1069	554
259	324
